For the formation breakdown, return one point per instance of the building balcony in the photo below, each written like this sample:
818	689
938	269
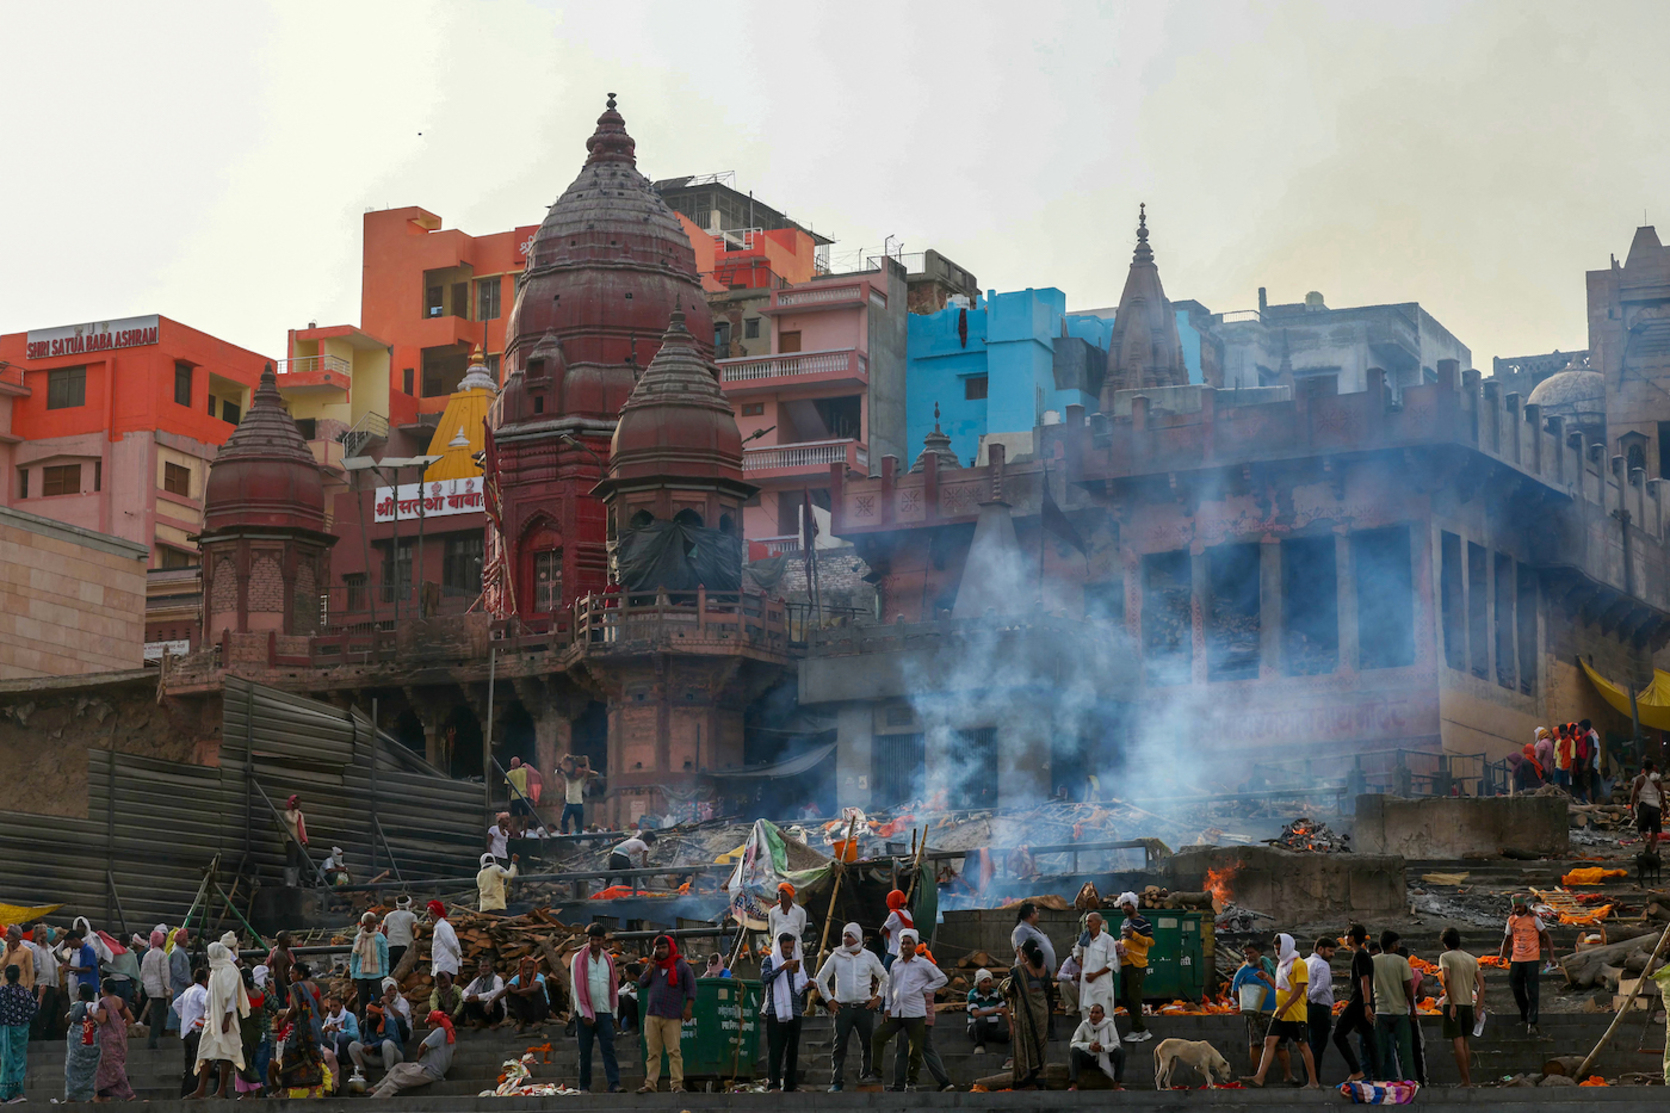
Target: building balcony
11	380
806	459
841	367
817	296
314	373
777	546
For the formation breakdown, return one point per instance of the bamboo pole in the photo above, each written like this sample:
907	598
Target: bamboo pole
921	849
840	871
1583	1071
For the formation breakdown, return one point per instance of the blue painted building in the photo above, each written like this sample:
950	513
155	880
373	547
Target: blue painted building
998	368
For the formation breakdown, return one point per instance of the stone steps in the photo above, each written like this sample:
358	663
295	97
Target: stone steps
479	1056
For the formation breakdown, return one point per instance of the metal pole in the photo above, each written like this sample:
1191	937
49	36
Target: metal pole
365	552
249	768
487	735
417	570
374	826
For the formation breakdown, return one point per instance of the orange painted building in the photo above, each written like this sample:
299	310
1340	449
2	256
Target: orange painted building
110	426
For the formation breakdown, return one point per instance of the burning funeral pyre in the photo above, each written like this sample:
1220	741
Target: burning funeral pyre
1309	835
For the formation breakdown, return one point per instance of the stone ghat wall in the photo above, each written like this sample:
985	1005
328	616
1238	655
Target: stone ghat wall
1298	888
1459	827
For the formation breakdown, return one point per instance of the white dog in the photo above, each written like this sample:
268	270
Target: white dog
1199	1054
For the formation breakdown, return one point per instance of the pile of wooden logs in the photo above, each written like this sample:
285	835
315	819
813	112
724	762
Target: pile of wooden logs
1604	965
506	939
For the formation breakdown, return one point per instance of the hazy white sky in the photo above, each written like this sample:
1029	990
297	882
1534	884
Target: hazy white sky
211	162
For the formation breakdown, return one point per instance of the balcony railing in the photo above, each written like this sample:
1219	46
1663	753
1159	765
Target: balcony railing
777	546
604	622
821	293
371	426
333	372
830	362
806	456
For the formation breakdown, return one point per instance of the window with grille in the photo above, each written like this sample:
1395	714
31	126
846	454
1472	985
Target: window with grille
176	480
753	409
182	384
170	557
397	571
547	580
461	559
487	299
61	479
974	388
751	329
357	597
66	387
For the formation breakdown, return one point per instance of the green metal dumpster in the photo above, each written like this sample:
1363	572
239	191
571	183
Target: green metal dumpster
1181	960
722	1036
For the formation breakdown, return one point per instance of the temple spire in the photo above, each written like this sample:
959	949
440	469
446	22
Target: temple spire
1143	253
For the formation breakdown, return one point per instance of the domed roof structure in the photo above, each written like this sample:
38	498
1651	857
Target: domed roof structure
936	444
677	421
264	475
604	273
1577	395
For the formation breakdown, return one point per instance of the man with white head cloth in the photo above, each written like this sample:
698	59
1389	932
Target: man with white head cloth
1098	968
222	1041
490	882
1136	935
852	982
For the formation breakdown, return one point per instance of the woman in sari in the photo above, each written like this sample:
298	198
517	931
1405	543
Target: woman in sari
81	1046
1026	989
298	1071
111	1082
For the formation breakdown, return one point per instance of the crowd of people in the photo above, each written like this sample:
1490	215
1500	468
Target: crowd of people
272	1027
1568	756
1288	1001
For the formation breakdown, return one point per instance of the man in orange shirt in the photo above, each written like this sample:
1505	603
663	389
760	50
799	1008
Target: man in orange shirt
1530	944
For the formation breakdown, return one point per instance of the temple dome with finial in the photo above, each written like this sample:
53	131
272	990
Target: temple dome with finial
678	421
264	475
1144	348
604	272
936	444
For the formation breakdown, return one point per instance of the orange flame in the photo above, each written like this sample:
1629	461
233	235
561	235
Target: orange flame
1217	882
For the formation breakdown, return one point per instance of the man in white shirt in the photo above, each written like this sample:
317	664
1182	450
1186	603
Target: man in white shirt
1646	800
633	854
1067	984
191	1006
1096	1043
483	998
1319	996
444	951
787	916
1099	961
46	983
397	926
498	837
909	980
851	983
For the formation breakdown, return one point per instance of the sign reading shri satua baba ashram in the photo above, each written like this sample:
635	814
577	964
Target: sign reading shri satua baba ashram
435	499
96	336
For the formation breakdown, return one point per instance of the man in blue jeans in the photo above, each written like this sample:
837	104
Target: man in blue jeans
575	772
596	999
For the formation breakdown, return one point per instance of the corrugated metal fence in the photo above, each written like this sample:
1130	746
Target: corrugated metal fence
153	827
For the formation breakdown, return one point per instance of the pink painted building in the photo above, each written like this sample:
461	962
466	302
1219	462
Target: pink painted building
830	392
